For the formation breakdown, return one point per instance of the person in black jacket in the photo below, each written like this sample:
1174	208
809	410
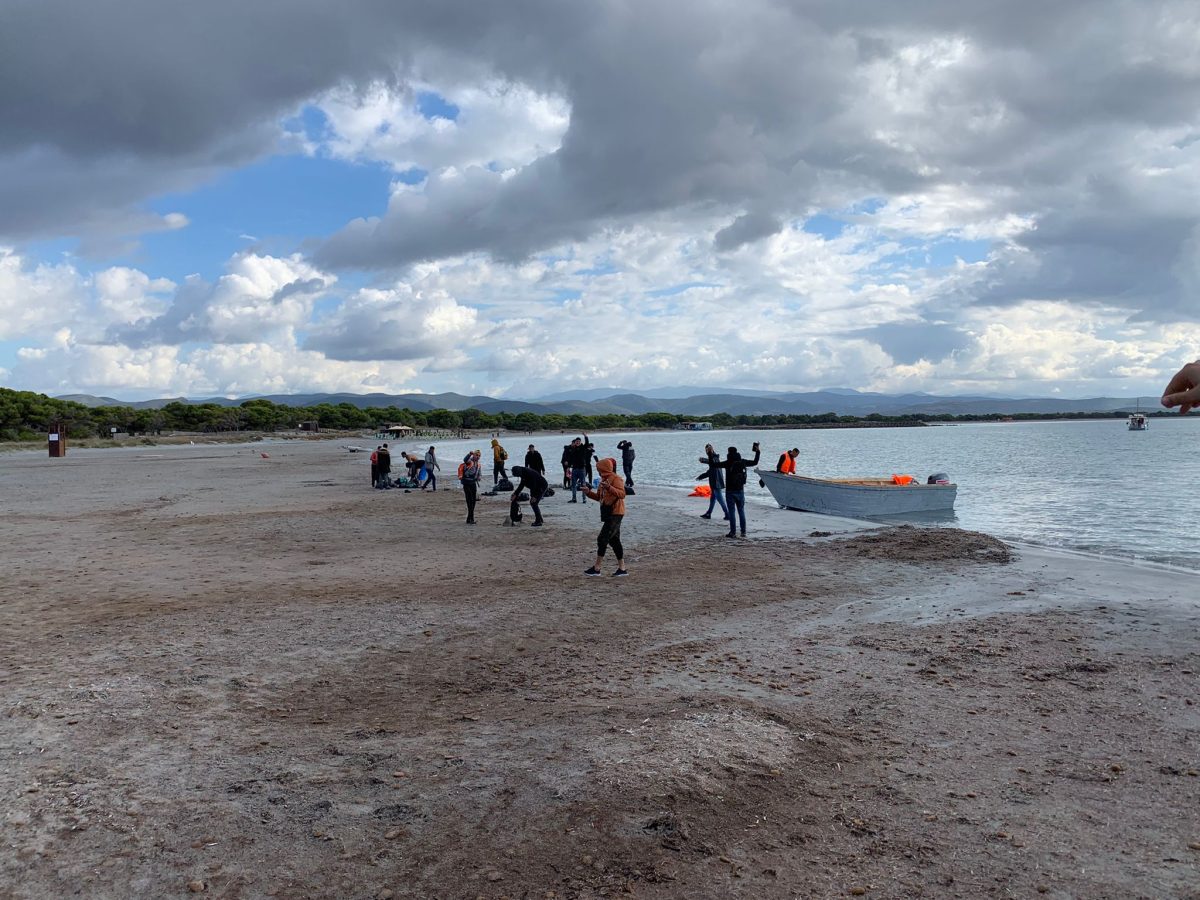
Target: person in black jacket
627	457
533	460
566	464
532	481
735	467
580	457
716	482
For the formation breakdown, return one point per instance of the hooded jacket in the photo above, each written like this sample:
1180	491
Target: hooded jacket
531	480
611	492
533	460
499	454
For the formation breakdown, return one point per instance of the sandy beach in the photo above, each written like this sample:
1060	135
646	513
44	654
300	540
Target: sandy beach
230	676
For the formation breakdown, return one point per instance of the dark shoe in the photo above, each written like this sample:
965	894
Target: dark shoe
591	571
731	535
743	534
620	573
537	524
572	501
706	515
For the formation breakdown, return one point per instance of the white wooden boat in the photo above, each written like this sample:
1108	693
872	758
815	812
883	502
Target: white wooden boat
1138	422
859	498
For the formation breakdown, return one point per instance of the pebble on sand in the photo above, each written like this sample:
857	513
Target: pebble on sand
197	886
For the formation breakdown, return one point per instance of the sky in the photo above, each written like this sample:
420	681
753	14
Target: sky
523	198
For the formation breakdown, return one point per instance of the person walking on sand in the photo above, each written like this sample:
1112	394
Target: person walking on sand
735	467
533	460
627	457
533	481
471	473
610	494
431	467
499	455
716	482
787	462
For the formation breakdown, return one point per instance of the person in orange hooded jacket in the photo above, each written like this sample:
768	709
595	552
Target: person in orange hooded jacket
610	494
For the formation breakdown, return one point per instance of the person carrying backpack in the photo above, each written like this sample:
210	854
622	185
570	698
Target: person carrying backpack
499	455
735	466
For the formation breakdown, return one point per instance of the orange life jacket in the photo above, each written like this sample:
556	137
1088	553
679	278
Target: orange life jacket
788	466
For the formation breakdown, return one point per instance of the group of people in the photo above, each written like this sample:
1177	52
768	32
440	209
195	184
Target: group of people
532	486
421	470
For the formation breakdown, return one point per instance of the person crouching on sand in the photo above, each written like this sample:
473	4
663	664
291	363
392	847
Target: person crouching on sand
610	494
533	481
472	471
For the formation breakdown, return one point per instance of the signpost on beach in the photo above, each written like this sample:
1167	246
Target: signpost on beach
57	440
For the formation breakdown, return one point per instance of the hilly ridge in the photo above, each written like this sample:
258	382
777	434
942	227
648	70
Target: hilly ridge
840	401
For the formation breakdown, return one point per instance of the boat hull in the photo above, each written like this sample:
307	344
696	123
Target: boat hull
857	501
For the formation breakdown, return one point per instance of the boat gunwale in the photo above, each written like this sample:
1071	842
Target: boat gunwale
867	483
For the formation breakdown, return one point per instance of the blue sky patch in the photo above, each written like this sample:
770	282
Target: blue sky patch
434	106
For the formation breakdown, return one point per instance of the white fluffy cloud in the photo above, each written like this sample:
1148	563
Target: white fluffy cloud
621	196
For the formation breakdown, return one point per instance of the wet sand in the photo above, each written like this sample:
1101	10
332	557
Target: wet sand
244	677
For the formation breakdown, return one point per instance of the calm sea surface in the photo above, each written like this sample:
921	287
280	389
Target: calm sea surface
1091	486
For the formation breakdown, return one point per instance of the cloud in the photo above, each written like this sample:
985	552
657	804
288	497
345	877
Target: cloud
35	299
598	158
397	324
260	296
746	229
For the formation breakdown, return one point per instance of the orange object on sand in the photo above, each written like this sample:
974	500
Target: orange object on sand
701	490
902	479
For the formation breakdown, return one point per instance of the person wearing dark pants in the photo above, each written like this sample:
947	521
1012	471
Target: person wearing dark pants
533	460
716	482
431	469
735	467
472	472
627	457
499	455
566	465
534	482
610	494
579	458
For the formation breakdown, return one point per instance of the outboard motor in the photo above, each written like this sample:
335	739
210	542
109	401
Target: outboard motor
938	478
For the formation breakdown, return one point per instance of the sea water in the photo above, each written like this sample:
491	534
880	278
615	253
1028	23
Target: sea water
1087	485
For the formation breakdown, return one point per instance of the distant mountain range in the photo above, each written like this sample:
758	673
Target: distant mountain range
708	401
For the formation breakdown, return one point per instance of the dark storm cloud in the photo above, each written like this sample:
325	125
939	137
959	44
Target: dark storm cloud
746	229
698	107
908	342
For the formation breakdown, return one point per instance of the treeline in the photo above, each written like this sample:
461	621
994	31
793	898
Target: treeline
28	416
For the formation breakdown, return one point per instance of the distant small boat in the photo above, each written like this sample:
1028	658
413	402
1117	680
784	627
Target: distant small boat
859	498
1138	422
